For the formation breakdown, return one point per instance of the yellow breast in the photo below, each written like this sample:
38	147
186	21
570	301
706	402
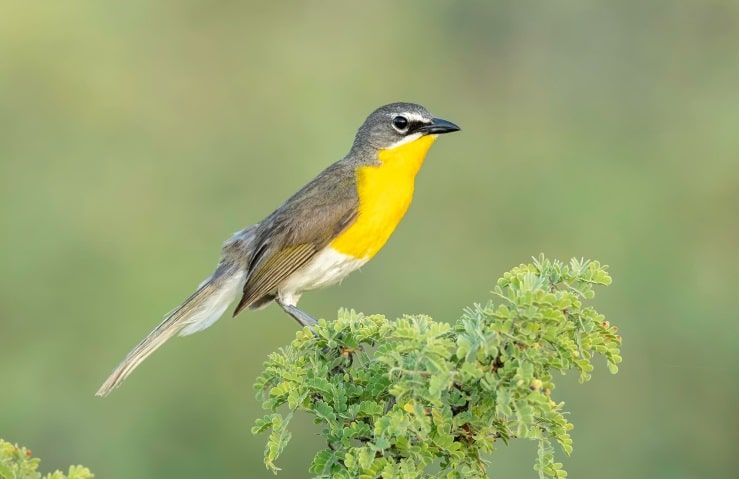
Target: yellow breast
385	192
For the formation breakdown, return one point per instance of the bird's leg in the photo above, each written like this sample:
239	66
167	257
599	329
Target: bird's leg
303	318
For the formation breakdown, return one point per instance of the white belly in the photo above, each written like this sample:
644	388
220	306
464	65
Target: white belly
325	268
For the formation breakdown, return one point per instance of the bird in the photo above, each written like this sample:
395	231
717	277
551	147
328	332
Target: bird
331	227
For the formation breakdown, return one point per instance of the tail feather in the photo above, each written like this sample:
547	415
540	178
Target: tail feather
199	311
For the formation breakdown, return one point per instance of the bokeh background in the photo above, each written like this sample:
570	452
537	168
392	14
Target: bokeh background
137	136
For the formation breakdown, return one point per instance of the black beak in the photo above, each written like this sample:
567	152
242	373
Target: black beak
437	127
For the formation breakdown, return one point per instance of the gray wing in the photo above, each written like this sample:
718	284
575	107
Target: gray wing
298	229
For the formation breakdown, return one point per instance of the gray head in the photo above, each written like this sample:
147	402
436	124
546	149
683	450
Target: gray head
398	123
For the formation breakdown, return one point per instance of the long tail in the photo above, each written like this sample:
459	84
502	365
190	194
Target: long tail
200	310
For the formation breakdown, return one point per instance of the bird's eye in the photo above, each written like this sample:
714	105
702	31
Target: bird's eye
400	123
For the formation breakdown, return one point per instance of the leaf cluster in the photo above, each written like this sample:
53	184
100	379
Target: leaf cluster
397	399
16	463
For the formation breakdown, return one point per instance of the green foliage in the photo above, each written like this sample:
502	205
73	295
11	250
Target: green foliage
396	398
16	463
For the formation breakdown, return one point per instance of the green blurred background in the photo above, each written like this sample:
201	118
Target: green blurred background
137	136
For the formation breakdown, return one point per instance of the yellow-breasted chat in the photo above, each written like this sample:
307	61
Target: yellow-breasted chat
329	228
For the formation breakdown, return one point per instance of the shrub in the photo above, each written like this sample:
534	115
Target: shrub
397	398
